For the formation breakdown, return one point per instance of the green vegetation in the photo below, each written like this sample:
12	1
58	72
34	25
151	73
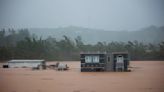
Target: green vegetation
21	44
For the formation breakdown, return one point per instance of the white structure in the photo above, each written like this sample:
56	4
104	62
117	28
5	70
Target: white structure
120	62
92	59
25	63
62	66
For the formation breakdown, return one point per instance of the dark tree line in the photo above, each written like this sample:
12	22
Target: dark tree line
21	44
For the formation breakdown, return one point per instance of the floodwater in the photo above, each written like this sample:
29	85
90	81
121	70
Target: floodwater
146	76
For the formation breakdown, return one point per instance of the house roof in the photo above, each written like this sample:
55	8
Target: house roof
119	52
93	52
25	60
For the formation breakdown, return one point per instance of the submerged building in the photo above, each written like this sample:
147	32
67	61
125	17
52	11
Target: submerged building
26	63
102	61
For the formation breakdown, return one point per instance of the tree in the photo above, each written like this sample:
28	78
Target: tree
79	43
161	50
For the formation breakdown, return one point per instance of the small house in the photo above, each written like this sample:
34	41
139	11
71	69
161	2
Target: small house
102	61
93	61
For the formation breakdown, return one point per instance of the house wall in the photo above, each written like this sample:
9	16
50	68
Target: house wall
98	62
109	63
126	60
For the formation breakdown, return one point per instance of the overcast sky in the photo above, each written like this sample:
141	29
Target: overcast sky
98	14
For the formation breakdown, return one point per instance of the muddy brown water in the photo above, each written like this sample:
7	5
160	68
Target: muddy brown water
146	76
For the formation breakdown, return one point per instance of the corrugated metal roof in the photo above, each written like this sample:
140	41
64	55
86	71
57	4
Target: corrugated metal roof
23	60
98	52
119	52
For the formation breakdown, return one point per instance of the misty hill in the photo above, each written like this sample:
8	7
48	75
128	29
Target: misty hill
150	34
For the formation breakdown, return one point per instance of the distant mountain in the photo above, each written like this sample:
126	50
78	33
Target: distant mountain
150	34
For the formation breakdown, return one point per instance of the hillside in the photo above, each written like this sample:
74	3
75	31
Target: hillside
150	34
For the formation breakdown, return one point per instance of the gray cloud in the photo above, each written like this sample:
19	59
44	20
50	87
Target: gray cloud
99	14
